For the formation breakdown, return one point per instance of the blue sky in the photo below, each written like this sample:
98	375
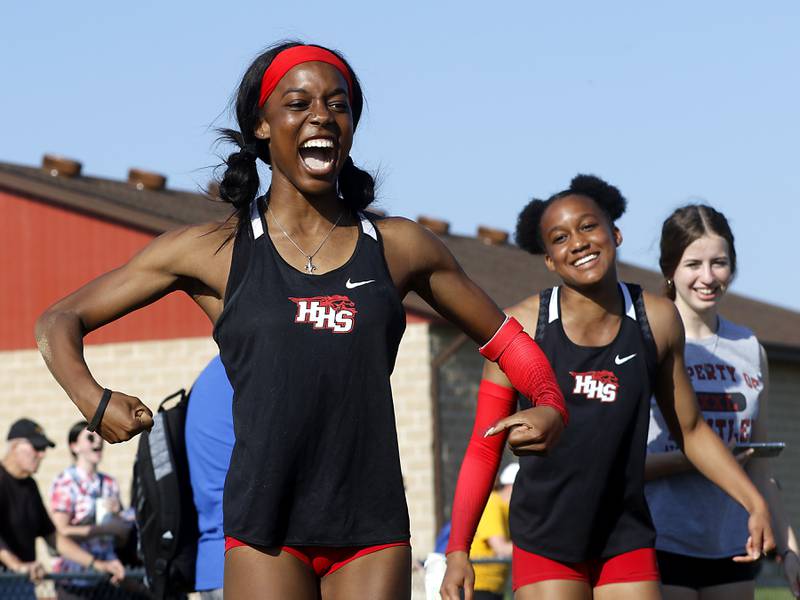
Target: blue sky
472	107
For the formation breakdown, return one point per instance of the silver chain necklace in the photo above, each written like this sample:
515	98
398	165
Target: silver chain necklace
310	266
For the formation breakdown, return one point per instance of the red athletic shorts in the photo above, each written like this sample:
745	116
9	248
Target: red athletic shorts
322	559
636	565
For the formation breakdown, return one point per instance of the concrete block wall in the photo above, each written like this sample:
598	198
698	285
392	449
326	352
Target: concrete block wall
412	402
149	370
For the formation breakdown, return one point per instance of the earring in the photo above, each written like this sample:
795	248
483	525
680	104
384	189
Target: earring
669	283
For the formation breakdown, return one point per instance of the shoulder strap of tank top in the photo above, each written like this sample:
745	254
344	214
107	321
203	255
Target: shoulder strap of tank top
367	226
633	294
547	299
256	222
241	253
630	309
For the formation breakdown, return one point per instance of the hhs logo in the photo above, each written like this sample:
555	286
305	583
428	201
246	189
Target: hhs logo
596	385
336	313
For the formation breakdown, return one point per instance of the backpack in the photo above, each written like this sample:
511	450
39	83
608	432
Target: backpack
165	513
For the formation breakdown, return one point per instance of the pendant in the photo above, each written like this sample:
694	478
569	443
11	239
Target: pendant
310	267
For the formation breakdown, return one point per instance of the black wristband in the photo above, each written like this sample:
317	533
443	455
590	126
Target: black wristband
101	409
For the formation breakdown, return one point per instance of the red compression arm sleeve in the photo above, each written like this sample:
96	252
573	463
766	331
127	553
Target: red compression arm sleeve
526	366
476	478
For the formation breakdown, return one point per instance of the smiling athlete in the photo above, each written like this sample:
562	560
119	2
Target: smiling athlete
698	528
307	307
579	520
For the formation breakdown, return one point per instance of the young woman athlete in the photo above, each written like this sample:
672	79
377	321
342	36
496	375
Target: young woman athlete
698	527
304	290
578	517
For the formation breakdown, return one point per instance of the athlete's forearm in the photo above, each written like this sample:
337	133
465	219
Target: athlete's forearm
526	366
479	467
707	452
59	335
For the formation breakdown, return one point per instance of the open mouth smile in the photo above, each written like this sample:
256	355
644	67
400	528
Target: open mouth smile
318	155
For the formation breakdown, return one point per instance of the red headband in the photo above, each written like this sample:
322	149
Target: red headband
291	57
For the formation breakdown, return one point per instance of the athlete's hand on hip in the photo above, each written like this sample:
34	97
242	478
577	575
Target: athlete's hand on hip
459	575
125	417
761	540
531	431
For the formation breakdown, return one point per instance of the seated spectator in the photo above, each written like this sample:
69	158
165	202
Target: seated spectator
23	517
85	506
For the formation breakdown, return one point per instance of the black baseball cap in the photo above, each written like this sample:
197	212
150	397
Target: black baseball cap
32	431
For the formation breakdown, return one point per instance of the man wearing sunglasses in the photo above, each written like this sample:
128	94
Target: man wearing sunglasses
23	517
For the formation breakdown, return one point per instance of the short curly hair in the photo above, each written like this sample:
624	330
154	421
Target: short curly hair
528	233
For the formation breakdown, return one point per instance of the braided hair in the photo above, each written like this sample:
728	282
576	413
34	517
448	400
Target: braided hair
239	183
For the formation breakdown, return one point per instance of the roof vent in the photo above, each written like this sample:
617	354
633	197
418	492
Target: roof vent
437	226
492	237
59	165
146	180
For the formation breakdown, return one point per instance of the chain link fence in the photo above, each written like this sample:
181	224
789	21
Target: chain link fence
66	586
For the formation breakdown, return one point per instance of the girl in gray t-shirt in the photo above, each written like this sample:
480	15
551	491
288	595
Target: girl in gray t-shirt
699	527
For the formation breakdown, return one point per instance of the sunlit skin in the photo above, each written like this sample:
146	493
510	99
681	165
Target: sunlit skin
575	230
580	243
310	102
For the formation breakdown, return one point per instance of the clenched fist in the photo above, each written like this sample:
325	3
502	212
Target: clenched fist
125	417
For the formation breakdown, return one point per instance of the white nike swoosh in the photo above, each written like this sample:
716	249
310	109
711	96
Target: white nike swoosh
619	361
354	284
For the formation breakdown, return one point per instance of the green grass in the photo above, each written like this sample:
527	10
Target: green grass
766	593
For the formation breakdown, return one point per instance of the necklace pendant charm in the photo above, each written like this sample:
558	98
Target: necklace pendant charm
310	267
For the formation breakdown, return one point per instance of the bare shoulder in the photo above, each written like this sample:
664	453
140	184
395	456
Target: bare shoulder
660	309
415	244
665	321
401	229
526	312
184	249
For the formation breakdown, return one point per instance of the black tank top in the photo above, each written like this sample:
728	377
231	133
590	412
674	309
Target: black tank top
586	498
316	460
